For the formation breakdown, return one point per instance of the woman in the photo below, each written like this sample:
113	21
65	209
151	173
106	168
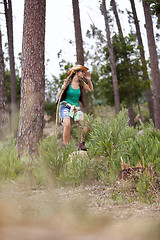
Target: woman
71	99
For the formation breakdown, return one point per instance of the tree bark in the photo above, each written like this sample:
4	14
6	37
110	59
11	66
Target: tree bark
9	24
79	43
149	95
113	4
130	107
153	63
78	32
112	60
4	114
130	115
33	78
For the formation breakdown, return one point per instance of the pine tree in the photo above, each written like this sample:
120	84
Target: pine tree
9	24
112	60
153	63
144	66
78	32
33	78
4	114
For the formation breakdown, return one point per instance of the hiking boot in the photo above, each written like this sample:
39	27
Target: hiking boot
82	146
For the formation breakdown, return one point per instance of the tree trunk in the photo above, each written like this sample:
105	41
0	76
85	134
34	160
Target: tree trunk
78	33
113	4
9	24
112	60
149	96
153	63
131	115
33	77
79	42
4	114
130	107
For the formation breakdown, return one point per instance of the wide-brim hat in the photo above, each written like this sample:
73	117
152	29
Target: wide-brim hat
76	68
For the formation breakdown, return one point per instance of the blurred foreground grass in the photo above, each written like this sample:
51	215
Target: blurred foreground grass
72	213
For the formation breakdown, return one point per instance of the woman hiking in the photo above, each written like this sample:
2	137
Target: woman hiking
72	95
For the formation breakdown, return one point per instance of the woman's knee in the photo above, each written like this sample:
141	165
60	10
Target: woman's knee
67	123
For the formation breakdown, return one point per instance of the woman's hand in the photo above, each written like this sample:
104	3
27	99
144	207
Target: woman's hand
88	76
88	87
64	86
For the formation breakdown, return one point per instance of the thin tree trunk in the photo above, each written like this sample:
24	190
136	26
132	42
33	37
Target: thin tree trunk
113	4
79	42
130	107
149	95
112	60
153	63
139	110
33	78
130	115
9	23
4	114
78	32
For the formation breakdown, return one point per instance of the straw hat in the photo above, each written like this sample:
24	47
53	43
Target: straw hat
77	67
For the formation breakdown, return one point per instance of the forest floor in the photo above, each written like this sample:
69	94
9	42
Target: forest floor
82	212
86	212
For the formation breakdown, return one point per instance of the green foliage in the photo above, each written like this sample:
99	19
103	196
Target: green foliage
146	146
49	156
107	142
78	129
76	170
110	139
145	188
50	108
9	165
115	140
128	68
155	9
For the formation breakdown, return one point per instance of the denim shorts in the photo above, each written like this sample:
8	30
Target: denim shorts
64	112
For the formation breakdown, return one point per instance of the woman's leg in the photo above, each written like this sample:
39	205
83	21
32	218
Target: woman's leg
66	130
84	131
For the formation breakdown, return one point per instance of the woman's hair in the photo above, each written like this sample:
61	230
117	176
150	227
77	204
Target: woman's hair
73	75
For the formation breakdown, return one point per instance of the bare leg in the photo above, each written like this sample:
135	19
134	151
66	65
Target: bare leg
84	131
66	131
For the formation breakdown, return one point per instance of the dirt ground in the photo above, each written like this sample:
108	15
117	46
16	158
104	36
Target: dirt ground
83	212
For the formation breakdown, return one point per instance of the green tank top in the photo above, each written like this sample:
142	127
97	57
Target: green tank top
73	96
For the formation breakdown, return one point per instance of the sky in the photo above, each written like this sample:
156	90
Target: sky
60	27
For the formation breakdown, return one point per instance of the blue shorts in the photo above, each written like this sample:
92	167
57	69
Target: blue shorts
64	112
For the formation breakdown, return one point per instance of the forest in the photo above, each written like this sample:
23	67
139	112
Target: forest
48	189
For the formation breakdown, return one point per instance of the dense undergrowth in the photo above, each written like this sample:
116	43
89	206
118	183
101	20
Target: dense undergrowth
108	142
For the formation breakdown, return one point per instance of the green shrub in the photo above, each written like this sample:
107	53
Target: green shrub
50	108
145	188
107	142
10	165
78	130
116	139
111	139
80	169
53	156
146	146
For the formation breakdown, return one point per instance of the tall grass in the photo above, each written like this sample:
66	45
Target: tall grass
107	142
115	139
9	165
